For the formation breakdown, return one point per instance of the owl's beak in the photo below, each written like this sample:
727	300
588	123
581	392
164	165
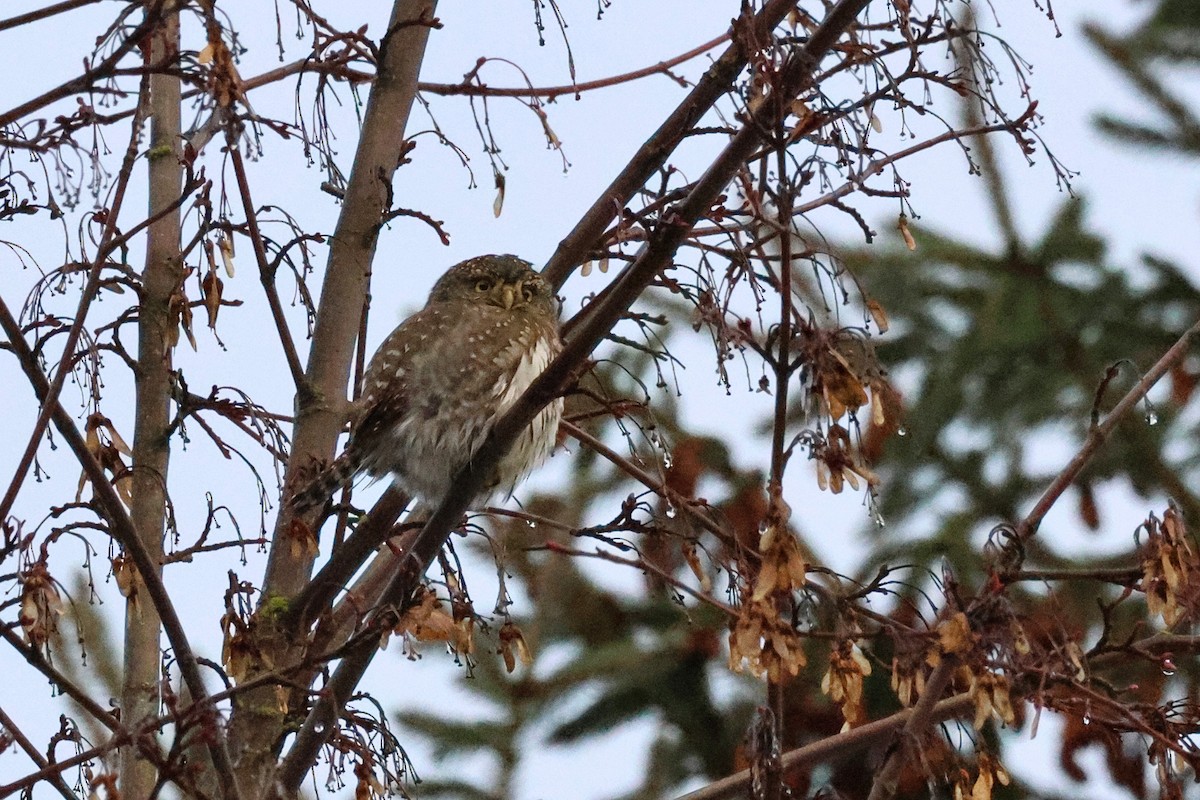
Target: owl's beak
508	295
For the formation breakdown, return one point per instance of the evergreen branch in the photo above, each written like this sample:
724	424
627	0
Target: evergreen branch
1135	69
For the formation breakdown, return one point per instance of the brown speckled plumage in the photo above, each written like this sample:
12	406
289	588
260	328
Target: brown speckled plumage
437	384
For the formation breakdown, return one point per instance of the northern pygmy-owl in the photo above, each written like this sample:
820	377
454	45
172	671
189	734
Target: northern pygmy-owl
442	378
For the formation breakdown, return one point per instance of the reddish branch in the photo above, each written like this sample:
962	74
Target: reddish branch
478	89
876	166
338	66
102	71
551	92
644	566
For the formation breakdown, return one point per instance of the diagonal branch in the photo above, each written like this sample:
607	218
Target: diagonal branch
265	274
884	785
36	757
373	531
88	79
687	504
43	13
574	248
841	745
122	529
19	475
91	287
1099	433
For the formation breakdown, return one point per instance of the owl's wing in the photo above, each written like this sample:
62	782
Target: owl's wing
386	386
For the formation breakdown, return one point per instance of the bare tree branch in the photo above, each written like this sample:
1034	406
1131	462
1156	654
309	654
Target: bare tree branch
1096	437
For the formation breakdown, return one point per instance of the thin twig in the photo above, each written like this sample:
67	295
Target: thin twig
88	79
265	274
645	566
483	90
43	13
687	505
876	166
63	683
91	287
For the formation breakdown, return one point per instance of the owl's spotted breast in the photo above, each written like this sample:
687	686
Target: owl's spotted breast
442	378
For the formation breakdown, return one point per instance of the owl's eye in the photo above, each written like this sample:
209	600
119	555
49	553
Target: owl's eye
483	285
528	292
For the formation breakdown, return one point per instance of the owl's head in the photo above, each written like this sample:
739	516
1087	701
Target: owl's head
504	281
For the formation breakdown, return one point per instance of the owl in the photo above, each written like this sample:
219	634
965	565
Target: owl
442	378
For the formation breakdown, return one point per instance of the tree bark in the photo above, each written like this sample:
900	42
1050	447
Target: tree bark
151	453
257	722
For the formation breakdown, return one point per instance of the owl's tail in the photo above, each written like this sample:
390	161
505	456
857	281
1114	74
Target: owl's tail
318	491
